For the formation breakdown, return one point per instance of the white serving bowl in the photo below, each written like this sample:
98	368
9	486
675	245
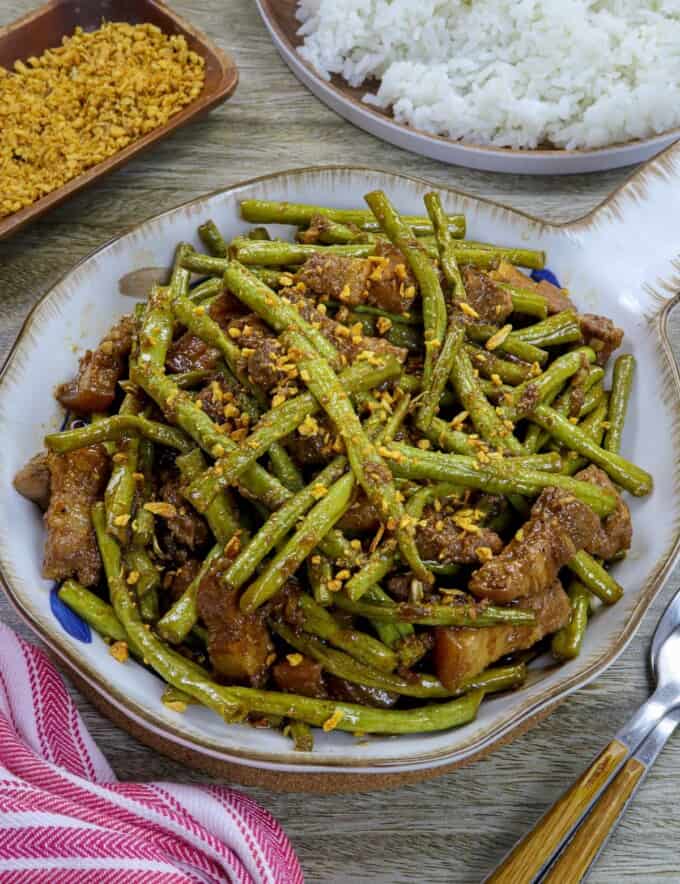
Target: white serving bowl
620	260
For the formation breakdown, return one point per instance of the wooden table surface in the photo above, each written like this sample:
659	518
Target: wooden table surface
454	828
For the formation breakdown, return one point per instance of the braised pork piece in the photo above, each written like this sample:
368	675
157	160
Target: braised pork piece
33	480
77	481
559	526
462	653
490	302
557	299
239	644
447	535
385	280
94	389
286	549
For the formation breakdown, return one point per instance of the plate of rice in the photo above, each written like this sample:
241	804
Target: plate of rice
522	86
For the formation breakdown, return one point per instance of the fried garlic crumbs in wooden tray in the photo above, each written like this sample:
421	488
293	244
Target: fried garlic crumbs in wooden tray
82	102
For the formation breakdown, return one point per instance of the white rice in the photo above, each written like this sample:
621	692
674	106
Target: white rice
509	73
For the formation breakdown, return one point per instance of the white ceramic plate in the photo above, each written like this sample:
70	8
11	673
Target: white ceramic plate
620	261
279	17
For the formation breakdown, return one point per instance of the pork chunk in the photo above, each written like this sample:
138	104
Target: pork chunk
336	277
616	530
262	354
391	285
399	587
187	527
559	526
239	645
340	334
100	370
385	280
442	540
304	677
351	692
211	396
33	480
313	448
178	581
463	652
601	334
557	298
225	309
77	480
491	302
361	517
190	353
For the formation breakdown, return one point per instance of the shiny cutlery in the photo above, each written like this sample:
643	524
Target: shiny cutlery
566	841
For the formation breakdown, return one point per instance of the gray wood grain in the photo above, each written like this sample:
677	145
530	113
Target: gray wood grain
454	828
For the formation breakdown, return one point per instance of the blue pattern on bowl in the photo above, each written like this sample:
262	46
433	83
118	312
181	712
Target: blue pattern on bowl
71	622
547	275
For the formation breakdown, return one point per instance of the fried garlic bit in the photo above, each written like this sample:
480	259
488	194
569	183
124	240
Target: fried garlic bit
119	651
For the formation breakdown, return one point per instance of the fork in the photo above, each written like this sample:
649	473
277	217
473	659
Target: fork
565	842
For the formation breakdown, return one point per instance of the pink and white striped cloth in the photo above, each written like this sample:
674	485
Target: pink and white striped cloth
65	818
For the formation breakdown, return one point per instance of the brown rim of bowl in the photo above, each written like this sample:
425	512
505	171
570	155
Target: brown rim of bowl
497	735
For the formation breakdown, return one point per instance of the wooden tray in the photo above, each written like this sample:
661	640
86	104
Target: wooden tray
44	29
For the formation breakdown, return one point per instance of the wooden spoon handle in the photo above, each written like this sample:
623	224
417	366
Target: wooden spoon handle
578	855
537	847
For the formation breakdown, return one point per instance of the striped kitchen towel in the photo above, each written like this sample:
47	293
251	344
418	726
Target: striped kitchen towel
65	818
